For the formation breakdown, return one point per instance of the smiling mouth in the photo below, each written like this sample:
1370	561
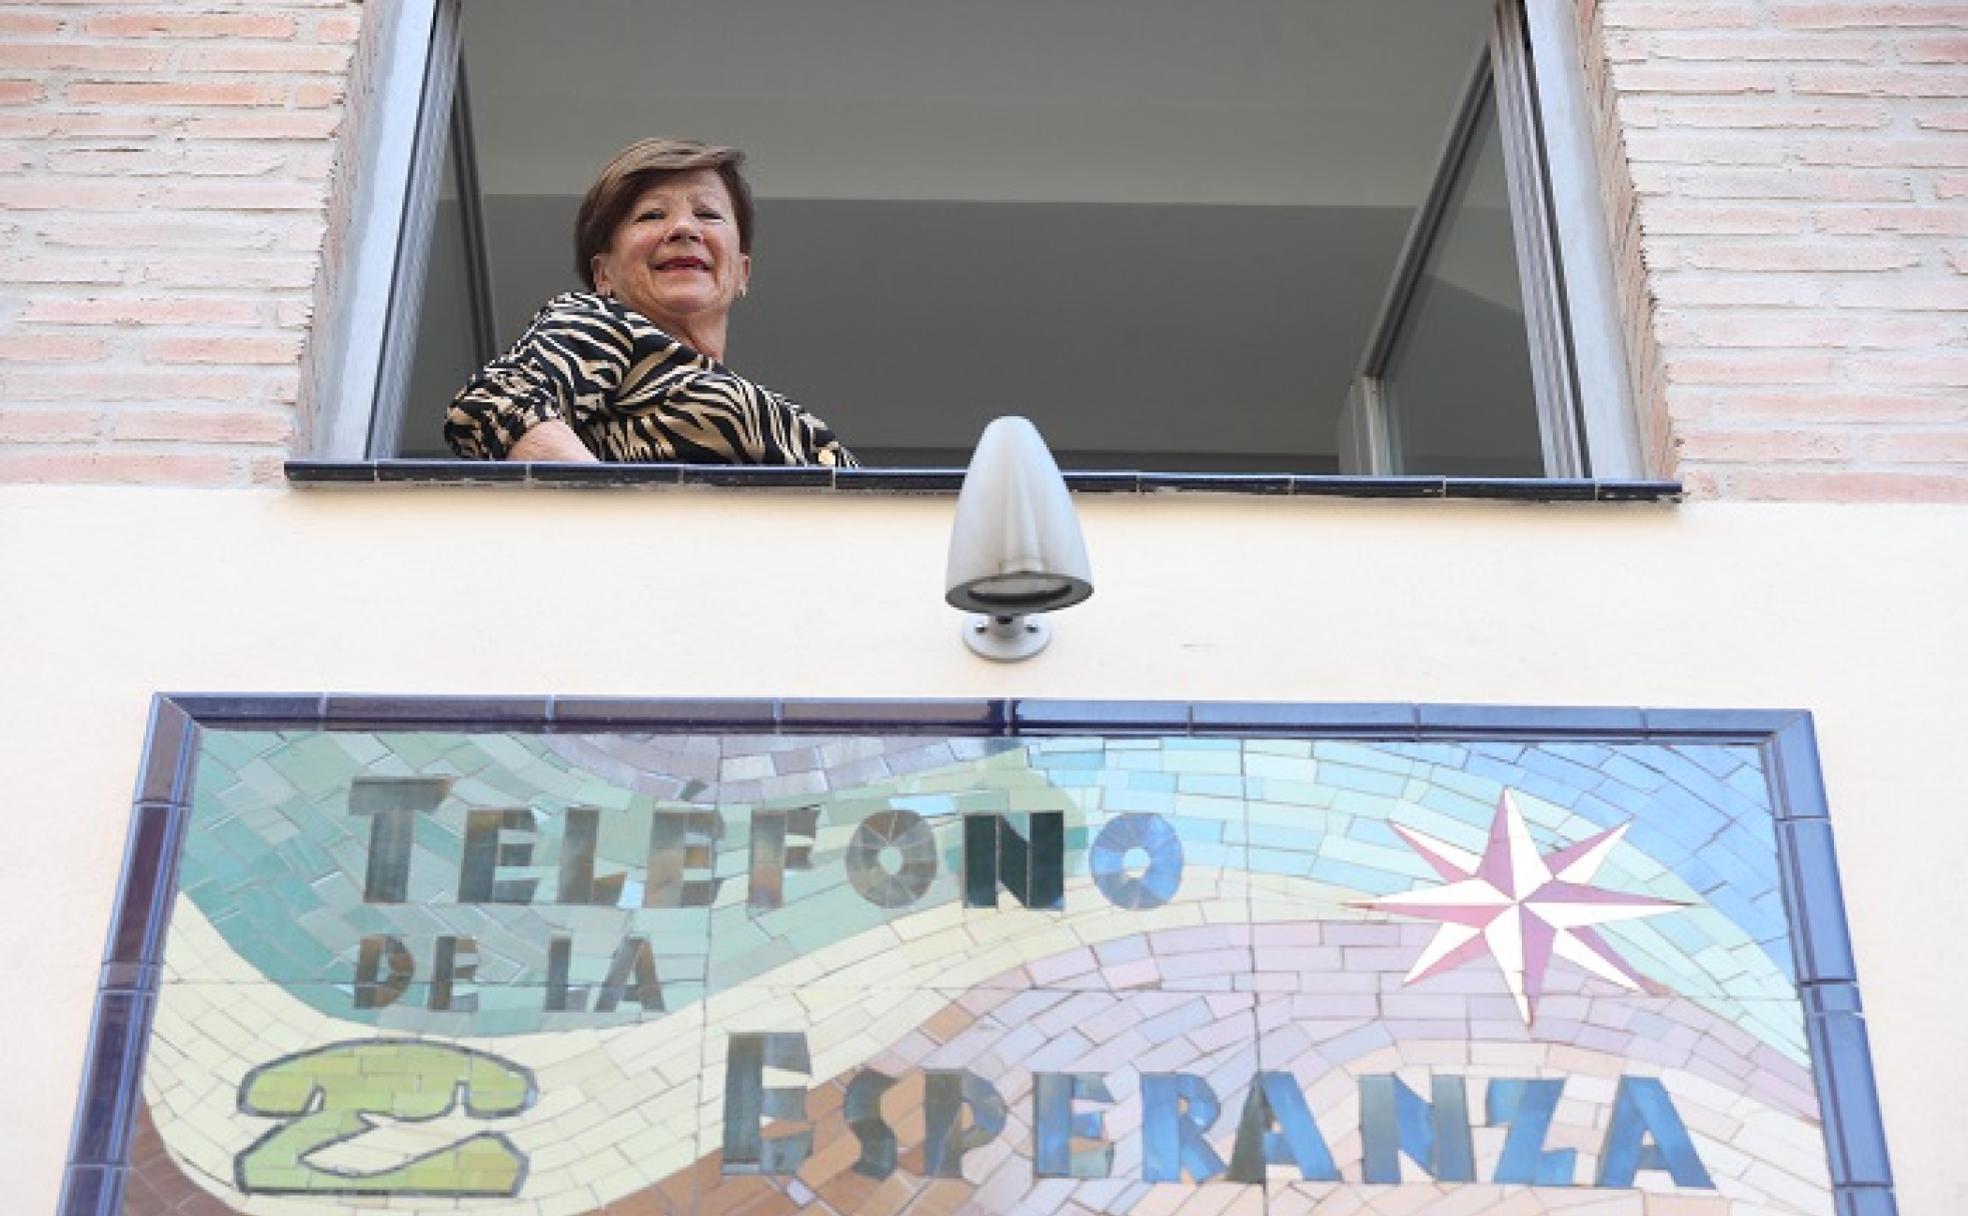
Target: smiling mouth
683	264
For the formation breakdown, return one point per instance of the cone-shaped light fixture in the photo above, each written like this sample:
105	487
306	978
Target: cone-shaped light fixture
1016	547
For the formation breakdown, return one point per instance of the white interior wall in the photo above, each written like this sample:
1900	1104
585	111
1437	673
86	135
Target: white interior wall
1852	612
1143	101
1162	230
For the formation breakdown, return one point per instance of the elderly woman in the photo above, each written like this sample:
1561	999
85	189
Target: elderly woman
633	368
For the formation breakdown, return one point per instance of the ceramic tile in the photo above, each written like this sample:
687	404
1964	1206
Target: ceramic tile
644	966
984	1102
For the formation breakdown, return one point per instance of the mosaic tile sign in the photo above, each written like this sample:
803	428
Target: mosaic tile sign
521	974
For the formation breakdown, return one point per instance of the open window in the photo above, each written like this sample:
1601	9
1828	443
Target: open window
1249	236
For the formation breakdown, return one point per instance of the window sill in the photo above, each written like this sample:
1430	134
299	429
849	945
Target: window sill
337	474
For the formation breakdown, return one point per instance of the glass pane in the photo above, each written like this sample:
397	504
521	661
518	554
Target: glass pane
1460	400
445	353
1161	230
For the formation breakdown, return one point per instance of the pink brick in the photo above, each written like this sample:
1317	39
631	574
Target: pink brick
1861	14
240	196
99	467
1809	485
19	425
29	24
265	59
338	28
281	349
1830	406
1711	445
1695	78
303	235
1886	151
1700	484
1755	115
1766	290
168	161
175	93
236	233
1733	328
280	385
68	125
70	57
1725	218
55	194
1936	370
1733	14
205	426
50	348
1942	120
276	124
1913	296
314	95
1816	255
131	384
1760	47
1702	148
190	25
1752	369
1931	220
236	272
142	310
1877	82
20	92
1951	185
63	270
1920	447
1938	48
1792	183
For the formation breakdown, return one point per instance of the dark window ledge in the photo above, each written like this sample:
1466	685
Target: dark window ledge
308	474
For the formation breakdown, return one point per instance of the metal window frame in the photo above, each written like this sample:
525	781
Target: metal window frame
1530	64
1529	68
382	289
471	222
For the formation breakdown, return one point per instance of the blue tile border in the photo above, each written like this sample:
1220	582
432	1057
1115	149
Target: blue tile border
1843	1059
304	474
1817	911
1867	1201
1834	1017
1514	722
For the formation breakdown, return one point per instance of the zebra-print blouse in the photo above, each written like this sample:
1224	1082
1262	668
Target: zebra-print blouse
632	393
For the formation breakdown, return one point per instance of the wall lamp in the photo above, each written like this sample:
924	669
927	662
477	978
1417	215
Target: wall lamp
1016	548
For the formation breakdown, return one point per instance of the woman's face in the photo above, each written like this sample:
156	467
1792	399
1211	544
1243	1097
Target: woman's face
675	258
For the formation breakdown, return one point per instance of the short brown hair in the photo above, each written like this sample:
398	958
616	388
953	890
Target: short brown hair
635	169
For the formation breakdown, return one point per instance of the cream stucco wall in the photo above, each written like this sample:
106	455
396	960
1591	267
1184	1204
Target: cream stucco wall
1854	612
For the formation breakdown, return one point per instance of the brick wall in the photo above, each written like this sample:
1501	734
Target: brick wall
1788	186
165	176
1789	194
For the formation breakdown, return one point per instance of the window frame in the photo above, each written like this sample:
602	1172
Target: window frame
1584	399
1529	68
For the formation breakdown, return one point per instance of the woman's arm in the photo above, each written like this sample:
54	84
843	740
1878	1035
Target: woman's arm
562	369
551	440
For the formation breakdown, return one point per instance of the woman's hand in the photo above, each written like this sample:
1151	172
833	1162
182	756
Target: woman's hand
551	440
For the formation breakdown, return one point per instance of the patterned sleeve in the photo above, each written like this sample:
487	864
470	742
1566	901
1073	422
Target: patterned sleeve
633	394
569	359
805	439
